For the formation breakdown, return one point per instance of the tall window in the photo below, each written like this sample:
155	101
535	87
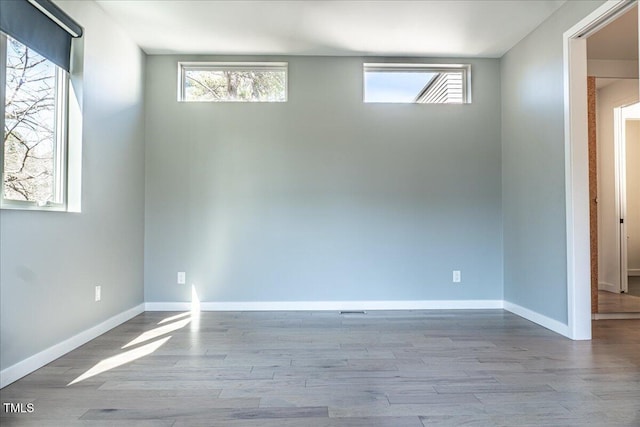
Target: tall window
417	83
233	82
34	126
35	61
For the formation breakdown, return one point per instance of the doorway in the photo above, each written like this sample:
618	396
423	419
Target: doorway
617	236
627	121
612	64
576	159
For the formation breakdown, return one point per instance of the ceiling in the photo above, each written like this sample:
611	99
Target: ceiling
462	28
618	40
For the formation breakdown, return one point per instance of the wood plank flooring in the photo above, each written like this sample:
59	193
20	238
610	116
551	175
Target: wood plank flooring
634	285
610	302
323	369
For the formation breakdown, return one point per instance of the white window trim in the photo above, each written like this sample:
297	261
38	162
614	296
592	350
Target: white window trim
231	66
3	88
420	67
62	138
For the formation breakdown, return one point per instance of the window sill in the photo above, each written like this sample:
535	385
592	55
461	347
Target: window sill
29	206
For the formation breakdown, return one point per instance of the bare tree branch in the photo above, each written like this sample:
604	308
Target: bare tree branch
29	125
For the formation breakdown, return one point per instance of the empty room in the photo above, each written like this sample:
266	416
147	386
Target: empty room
324	213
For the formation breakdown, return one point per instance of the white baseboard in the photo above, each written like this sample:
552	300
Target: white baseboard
609	287
633	272
327	305
37	361
167	306
538	318
25	367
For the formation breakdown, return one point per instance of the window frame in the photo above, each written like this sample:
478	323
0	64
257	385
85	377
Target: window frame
184	66
60	142
419	67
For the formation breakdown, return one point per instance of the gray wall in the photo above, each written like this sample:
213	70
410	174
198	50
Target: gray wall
322	197
533	181
52	261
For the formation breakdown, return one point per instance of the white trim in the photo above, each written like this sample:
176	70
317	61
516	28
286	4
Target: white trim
167	306
413	66
235	66
74	126
538	318
577	196
37	361
615	316
576	168
620	181
609	287
621	115
327	305
633	272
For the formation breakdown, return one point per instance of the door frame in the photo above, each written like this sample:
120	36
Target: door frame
576	165
620	195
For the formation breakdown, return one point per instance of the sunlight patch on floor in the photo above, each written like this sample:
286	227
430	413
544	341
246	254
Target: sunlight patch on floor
176	317
155	333
121	359
192	317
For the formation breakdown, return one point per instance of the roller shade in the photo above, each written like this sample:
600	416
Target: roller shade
42	26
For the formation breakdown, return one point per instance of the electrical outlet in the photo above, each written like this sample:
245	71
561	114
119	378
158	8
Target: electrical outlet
182	277
98	293
456	276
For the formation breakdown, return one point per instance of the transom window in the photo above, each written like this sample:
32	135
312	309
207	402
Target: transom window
417	83
232	82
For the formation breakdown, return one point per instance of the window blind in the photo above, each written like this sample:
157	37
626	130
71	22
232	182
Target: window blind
42	26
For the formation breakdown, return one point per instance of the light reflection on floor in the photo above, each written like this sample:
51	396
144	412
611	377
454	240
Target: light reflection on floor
121	359
170	324
157	332
176	317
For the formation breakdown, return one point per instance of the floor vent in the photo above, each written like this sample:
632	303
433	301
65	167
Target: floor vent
353	312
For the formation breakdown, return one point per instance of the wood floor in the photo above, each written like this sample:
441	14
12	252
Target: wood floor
610	302
634	285
323	369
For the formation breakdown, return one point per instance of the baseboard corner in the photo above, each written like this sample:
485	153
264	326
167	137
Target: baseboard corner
38	360
540	319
